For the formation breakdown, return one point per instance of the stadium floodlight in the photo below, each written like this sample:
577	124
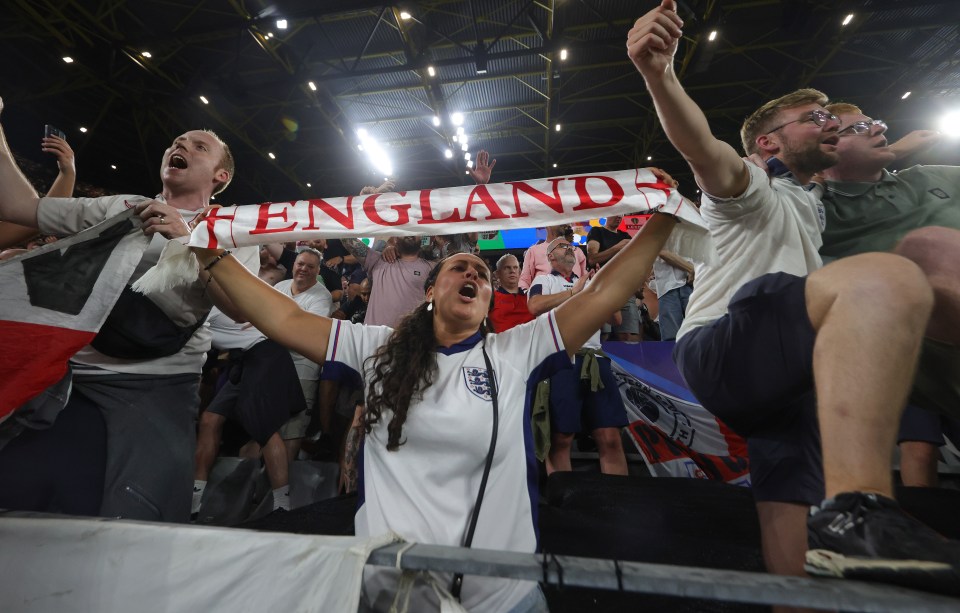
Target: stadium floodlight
847	19
281	24
456	119
713	35
950	124
447	153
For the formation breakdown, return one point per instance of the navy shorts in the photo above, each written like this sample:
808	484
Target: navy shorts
573	406
262	392
753	369
928	426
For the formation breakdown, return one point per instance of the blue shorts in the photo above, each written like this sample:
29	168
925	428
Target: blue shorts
753	369
573	406
927	426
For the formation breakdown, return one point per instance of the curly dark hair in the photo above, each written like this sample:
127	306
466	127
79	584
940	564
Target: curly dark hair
405	366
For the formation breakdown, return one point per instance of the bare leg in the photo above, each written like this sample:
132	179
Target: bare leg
208	444
559	457
918	464
783	534
250	451
870	312
937	252
326	404
275	460
610	447
292	446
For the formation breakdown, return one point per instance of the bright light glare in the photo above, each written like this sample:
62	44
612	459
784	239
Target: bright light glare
464	147
460	131
457	119
563	54
466	156
464	138
204	100
436	121
146	54
557	127
713	35
404	15
456	138
847	19
67	59
375	153
82	129
447	153
271	156
113	166
431	71
950	124
905	96
554	164
312	85
281	24
469	164
309	185
649	157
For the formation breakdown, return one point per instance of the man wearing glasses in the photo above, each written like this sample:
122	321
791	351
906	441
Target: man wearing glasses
783	348
914	213
589	394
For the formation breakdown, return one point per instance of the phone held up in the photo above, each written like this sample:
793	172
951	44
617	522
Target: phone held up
49	131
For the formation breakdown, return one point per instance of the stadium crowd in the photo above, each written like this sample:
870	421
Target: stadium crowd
371	355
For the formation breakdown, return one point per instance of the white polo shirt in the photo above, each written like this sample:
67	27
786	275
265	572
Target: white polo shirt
316	300
426	490
555	283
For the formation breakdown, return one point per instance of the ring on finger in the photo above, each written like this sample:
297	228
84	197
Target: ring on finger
163	219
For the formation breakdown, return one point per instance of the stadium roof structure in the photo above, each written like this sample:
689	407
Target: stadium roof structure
515	70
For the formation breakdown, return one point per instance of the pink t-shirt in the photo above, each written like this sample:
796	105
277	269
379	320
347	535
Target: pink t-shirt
535	263
396	289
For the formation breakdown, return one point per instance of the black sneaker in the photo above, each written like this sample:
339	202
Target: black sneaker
869	537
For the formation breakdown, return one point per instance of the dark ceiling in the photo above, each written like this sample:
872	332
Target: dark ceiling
370	68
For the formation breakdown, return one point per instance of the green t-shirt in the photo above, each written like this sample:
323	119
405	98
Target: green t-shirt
864	217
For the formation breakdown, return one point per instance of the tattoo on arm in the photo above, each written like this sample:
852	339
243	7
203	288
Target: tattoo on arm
351	449
356	247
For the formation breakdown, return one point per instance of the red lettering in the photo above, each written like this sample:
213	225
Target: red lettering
554	202
264	216
481	196
587	202
426	212
344	219
213	216
370	208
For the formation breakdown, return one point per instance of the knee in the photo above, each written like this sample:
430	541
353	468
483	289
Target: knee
607	439
935	250
561	442
884	278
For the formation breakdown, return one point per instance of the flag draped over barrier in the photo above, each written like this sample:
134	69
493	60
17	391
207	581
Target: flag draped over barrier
54	299
674	434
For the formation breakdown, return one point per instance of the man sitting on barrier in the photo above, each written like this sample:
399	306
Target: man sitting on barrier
775	342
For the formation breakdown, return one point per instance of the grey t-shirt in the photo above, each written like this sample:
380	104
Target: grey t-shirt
396	289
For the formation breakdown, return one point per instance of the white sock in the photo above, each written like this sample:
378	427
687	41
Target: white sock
198	487
281	498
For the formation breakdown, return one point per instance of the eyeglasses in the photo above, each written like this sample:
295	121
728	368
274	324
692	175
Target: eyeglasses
565	246
863	127
818	117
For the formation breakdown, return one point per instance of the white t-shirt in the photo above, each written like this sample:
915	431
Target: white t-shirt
316	300
774	226
228	334
183	304
426	490
554	283
666	277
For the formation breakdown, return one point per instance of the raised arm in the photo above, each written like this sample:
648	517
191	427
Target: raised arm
18	199
357	249
541	303
651	45
583	314
915	142
274	314
67	176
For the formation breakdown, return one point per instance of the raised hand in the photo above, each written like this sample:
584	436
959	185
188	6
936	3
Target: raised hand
161	218
652	42
63	152
664	176
481	170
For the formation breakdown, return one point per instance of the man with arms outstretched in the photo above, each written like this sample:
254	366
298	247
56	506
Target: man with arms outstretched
774	342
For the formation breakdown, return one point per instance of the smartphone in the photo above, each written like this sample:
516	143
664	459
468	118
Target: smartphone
49	131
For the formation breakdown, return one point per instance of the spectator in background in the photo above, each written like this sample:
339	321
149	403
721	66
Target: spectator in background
603	243
396	287
287	256
672	282
536	262
509	301
270	269
12	234
589	395
311	296
356	310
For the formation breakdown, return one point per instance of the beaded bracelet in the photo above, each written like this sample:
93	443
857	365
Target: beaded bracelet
216	260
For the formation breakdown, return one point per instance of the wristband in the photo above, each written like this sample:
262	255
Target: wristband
216	260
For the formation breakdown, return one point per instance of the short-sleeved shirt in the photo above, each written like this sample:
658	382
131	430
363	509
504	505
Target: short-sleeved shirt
606	238
874	216
509	310
330	277
425	491
316	300
774	226
183	304
396	288
535	262
555	283
666	277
